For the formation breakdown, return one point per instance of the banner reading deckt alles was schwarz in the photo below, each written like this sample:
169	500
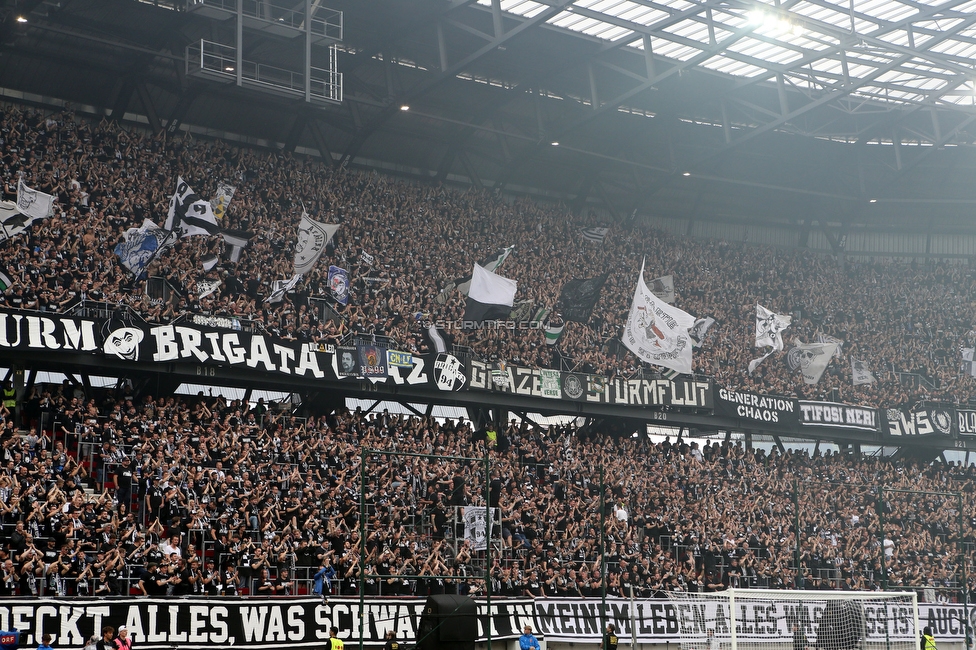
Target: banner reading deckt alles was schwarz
256	623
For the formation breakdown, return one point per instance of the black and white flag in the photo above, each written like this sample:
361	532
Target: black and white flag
208	262
280	287
189	214
12	221
207	287
699	330
811	360
463	285
663	288
657	332
437	339
367	258
33	203
490	297
969	361
313	237
769	333
235	241
579	296
860	373
595	235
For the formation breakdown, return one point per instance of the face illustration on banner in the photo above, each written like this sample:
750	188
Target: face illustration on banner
348	361
806	357
124	343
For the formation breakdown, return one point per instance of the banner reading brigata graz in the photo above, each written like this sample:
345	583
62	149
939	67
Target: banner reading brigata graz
553	384
162	624
237	622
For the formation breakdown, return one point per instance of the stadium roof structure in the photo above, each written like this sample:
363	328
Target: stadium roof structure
788	112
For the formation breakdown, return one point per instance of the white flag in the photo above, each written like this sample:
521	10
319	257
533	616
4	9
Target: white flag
663	288
222	199
207	287
827	338
33	203
860	373
657	332
769	332
313	237
189	214
811	360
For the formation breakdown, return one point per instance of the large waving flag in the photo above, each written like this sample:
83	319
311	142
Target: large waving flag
313	237
657	332
12	221
140	246
189	214
463	285
811	360
33	203
490	297
579	296
769	333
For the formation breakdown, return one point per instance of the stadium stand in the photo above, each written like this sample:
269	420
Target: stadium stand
187	496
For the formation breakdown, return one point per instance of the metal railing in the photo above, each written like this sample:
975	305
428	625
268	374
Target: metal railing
219	60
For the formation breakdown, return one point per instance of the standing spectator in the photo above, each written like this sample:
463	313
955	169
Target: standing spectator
528	641
123	641
107	641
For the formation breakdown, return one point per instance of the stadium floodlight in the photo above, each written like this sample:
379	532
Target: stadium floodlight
21	19
404	107
772	619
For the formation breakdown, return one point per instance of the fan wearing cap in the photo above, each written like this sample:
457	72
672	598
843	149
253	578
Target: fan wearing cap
123	641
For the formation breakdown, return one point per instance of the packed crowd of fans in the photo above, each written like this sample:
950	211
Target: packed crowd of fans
897	317
205	496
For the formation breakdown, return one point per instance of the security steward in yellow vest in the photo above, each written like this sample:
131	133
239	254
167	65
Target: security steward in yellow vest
335	643
610	640
9	397
927	642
